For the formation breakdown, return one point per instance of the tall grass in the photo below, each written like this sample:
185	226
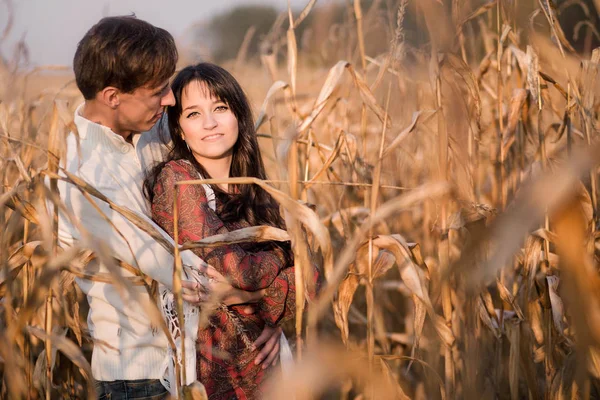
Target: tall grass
448	193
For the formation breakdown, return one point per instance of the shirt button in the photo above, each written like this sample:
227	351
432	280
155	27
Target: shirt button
124	149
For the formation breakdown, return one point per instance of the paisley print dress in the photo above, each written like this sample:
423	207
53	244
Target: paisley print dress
225	363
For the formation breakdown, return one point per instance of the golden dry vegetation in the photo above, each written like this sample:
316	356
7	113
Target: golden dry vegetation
449	192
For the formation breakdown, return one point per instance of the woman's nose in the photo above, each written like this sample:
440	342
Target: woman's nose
210	121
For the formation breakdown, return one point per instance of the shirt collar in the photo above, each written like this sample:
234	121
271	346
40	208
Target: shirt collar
99	133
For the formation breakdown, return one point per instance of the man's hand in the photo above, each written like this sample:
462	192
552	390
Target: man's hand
196	293
270	352
193	292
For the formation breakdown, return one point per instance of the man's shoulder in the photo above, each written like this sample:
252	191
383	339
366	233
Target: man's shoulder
158	135
83	160
153	146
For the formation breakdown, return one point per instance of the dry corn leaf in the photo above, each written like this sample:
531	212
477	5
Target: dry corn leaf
398	392
528	210
17	259
548	78
256	234
589	78
545	234
275	87
559	34
382	263
48	276
292	49
514	336
468	77
384	211
305	11
533	77
343	302
516	104
507	296
39	378
413	278
594	361
327	365
72	352
479	11
333	79
558	311
195	391
484	315
367	96
331	82
405	132
585	203
327	164
536	321
17	203
338	218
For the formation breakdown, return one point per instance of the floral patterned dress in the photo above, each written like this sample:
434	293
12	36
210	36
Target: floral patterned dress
225	363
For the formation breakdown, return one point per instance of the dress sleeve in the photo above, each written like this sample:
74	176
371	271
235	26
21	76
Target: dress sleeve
246	270
279	302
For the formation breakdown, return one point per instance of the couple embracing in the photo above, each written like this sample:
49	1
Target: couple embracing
123	67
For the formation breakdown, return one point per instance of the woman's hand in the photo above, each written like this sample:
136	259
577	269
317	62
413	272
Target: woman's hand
196	293
269	339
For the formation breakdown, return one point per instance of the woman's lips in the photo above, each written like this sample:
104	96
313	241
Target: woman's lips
212	138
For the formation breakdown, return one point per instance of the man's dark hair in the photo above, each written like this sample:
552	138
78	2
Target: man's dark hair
124	52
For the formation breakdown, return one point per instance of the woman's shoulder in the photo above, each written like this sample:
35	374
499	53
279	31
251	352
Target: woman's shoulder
181	169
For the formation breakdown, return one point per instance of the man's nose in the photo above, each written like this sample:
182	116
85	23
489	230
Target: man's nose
168	99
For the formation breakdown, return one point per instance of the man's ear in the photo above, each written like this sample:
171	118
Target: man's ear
109	96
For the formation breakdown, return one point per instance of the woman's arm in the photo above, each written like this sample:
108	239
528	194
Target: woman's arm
249	271
279	300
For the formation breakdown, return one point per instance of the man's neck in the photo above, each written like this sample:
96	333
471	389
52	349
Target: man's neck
102	115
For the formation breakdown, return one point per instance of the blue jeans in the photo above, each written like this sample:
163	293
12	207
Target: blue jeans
149	389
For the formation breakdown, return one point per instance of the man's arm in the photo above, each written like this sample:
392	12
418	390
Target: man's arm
127	241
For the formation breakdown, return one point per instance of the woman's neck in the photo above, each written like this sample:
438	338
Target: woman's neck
217	168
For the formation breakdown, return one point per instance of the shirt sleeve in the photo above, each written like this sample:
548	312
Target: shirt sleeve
127	241
246	270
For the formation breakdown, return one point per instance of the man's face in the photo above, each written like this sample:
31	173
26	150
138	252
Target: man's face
140	110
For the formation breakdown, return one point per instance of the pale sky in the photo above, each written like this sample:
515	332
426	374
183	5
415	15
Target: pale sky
52	28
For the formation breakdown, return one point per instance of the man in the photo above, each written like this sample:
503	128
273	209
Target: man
122	67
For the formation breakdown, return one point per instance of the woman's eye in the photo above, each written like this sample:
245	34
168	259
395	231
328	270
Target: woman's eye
193	114
221	108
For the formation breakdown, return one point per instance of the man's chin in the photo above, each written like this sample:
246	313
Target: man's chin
147	126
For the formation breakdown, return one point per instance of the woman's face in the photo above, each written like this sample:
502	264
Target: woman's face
207	124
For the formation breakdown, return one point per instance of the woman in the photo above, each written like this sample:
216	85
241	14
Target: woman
213	136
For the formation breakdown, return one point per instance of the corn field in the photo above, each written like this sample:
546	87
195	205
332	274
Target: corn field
447	191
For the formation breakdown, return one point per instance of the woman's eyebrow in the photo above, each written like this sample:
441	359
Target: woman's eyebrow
192	106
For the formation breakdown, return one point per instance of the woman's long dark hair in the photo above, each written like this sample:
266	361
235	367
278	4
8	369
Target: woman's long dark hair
249	201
